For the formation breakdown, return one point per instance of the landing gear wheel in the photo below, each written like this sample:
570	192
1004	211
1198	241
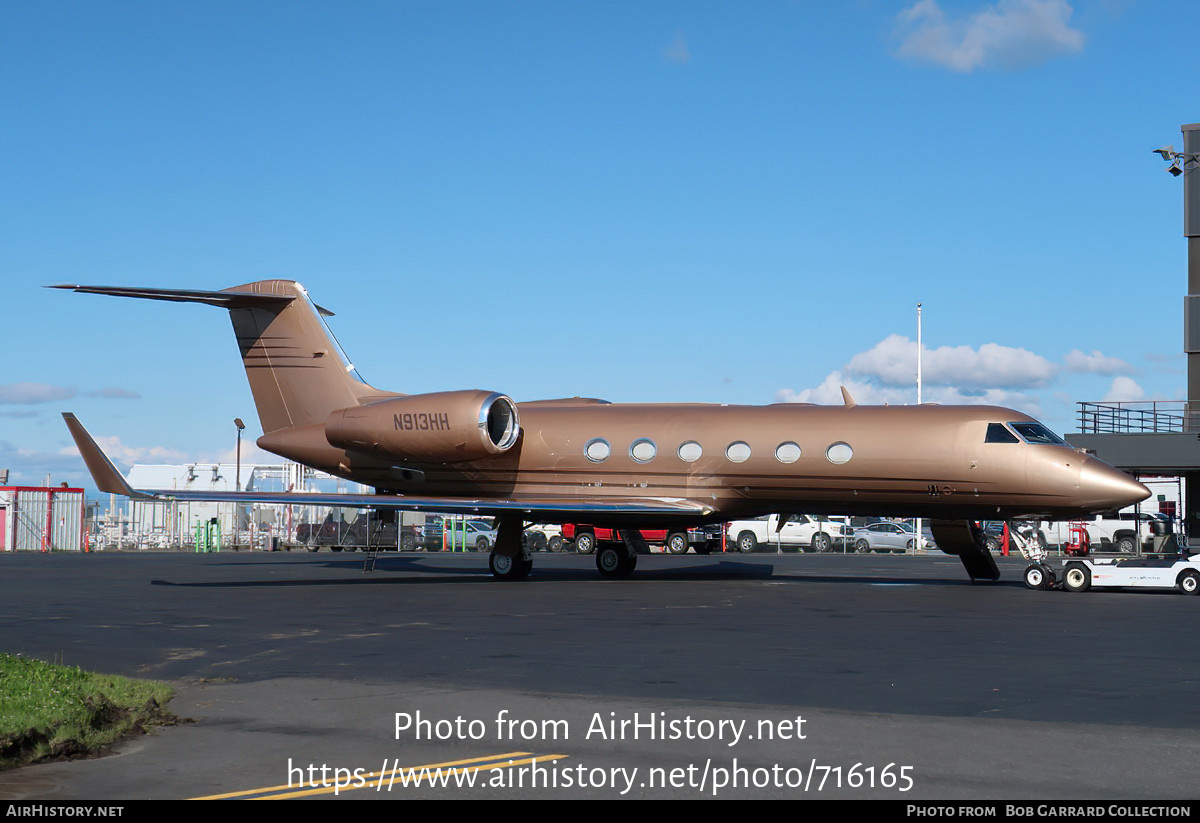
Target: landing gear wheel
1036	578
585	542
612	561
509	568
1076	578
677	543
1189	582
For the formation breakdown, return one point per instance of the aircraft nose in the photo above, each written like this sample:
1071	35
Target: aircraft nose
1103	487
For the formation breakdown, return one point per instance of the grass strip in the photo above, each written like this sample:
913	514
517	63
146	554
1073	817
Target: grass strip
51	712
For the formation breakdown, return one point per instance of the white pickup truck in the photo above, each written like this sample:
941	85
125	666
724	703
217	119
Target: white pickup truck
800	532
1122	533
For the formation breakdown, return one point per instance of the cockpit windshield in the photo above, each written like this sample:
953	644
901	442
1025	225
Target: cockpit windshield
1037	433
999	433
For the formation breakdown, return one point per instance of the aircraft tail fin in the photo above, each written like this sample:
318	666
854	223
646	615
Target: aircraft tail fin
298	373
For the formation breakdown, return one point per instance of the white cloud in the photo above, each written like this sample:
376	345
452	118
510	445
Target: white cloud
251	454
830	393
28	393
125	455
1095	363
893	361
118	452
1011	34
30	467
1124	389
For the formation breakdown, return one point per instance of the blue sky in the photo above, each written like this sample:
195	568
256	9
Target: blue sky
668	201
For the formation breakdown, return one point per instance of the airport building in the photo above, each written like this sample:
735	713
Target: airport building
174	524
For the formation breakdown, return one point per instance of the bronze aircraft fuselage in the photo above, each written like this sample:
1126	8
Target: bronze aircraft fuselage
915	461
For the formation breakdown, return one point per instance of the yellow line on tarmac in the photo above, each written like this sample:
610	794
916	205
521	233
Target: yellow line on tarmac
489	762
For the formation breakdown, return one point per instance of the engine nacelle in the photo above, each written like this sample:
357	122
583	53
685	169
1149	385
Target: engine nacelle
442	427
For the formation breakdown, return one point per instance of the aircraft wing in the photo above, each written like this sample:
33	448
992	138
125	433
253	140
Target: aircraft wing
109	479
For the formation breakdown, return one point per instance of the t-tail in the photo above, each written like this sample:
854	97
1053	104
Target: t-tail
297	371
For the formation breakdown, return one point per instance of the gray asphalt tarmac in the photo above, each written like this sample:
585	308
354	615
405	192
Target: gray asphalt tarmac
737	676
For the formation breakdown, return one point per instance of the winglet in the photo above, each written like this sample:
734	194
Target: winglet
847	399
107	478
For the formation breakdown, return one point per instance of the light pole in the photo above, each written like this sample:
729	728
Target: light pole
237	421
917	537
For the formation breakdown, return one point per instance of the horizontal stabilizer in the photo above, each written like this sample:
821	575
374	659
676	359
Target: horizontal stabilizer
223	299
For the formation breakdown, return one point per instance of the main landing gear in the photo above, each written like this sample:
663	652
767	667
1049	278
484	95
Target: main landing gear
617	560
510	559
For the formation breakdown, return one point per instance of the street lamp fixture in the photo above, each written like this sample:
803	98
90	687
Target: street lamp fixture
1168	153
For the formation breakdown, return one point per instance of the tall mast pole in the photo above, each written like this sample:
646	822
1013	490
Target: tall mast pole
917	537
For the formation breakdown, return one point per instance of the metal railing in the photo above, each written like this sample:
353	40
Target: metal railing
1140	417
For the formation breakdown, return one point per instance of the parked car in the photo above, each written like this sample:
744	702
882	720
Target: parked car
888	536
544	538
800	532
675	541
470	534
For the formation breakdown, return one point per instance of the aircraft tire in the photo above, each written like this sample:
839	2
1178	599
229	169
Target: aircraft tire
1189	582
504	567
1076	578
1035	577
612	561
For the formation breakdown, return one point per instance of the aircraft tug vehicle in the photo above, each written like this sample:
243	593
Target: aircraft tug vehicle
1168	568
